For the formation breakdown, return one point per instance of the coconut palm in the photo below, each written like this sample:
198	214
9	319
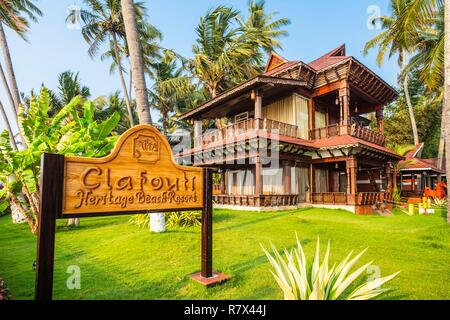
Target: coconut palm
171	92
103	23
15	14
447	89
138	72
221	51
149	37
114	103
130	19
265	31
396	39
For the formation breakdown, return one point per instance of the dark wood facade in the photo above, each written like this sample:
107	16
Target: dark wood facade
299	134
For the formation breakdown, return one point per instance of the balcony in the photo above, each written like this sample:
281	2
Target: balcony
247	127
252	126
354	130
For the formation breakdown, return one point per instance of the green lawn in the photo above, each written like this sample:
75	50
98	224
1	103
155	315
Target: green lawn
122	261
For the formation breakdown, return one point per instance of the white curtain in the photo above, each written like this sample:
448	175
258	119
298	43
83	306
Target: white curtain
321	183
240	182
321	120
273	181
302	175
301	114
281	110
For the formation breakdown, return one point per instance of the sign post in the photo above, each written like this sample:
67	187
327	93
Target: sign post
138	177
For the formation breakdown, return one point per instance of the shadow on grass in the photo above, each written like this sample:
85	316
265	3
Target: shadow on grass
264	218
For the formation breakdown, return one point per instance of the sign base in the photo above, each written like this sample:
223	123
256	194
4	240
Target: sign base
217	278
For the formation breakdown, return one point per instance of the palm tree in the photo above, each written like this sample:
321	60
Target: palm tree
104	22
8	126
395	39
130	14
447	89
172	90
221	51
157	220
265	31
149	37
107	106
14	14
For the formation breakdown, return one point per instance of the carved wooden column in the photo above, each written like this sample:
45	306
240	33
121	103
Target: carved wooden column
311	115
389	177
258	104
344	98
352	175
223	186
287	177
311	182
197	133
380	118
258	177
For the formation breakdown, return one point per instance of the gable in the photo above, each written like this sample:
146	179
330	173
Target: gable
274	62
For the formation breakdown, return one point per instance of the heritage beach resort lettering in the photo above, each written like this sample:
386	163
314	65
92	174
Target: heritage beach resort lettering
143	189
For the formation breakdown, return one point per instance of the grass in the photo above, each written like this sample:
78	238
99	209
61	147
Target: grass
121	261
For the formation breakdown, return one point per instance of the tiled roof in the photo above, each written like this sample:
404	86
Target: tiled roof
347	140
281	68
329	59
413	161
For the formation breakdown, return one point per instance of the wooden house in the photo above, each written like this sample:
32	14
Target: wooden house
416	173
300	134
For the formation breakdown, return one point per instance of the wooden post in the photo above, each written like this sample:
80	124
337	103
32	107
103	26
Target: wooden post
380	118
258	177
206	276
52	177
312	116
389	177
311	182
207	212
197	132
287	177
344	95
223	186
258	104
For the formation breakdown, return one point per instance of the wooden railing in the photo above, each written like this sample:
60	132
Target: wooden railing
257	201
230	132
354	130
330	198
361	198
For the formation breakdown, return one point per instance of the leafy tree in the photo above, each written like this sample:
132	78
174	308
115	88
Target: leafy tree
103	23
395	39
64	133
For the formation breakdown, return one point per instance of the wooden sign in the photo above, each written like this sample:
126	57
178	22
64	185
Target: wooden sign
139	176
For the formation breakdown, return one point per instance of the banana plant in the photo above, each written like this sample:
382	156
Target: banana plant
72	131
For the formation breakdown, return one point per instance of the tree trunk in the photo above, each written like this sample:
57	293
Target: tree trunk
122	79
137	64
9	68
8	126
447	90
440	159
408	101
140	88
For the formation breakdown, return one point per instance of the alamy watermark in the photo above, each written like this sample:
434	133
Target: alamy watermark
373	21
73	281
73	21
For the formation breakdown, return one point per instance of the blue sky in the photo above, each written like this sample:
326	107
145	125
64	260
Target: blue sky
317	27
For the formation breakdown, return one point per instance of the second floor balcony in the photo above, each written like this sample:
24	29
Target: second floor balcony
252	128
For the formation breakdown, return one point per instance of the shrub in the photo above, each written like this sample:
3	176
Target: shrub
301	280
183	219
441	203
5	294
141	220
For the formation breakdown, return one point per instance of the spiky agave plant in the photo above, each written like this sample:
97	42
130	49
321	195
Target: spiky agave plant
301	280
